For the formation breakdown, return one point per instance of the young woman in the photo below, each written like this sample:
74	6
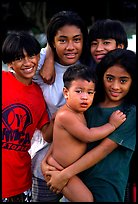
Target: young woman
67	36
107	162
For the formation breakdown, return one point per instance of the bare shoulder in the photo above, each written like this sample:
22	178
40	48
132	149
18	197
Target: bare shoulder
64	114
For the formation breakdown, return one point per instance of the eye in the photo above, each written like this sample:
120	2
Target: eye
78	91
62	40
109	78
19	58
106	42
77	39
32	56
123	81
94	43
91	92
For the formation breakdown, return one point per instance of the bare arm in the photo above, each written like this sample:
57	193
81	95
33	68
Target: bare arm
70	122
60	178
47	71
47	131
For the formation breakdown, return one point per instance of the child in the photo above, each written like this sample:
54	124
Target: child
107	161
106	35
67	36
70	132
20	114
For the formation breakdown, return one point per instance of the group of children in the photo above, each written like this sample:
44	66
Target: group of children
83	123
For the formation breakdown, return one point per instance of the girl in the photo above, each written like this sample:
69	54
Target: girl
67	36
107	162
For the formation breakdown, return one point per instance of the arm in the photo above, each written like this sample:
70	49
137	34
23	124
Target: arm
47	131
60	178
70	122
47	72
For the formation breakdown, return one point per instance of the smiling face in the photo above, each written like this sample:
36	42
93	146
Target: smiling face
68	43
79	96
100	47
25	67
117	82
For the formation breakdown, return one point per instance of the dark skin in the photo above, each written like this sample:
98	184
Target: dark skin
59	178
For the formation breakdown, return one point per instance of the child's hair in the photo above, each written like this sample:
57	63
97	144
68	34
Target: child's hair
78	71
127	60
63	18
107	28
15	43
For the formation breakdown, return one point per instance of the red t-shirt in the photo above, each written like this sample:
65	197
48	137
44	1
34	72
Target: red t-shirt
23	110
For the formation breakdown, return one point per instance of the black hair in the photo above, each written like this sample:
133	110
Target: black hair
16	42
78	71
107	28
63	18
127	60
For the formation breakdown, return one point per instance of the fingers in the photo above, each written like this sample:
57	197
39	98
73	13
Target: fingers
120	113
54	190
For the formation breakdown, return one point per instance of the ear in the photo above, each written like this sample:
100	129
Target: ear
65	92
10	65
54	44
120	46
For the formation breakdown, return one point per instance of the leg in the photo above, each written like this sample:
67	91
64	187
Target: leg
76	191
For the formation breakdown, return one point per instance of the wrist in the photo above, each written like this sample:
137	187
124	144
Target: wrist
113	126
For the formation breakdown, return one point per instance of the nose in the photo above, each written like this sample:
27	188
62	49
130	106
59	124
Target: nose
115	85
70	45
100	46
84	96
27	60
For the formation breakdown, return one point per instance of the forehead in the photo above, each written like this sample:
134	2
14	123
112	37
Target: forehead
69	30
83	83
117	71
104	39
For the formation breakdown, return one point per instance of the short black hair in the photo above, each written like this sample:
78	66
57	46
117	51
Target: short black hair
107	28
16	42
78	71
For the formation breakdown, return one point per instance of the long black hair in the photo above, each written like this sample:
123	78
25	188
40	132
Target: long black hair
63	18
127	60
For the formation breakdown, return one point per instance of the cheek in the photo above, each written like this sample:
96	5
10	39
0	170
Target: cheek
111	47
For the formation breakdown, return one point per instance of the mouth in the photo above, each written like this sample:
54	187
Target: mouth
84	105
28	70
114	94
99	57
70	55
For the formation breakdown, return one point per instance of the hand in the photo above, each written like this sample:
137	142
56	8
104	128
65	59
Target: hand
47	72
46	167
117	118
57	180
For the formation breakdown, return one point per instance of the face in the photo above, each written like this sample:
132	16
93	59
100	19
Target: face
25	68
68	43
117	82
80	95
100	47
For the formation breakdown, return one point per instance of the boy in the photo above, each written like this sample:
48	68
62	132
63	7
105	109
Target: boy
70	132
23	110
